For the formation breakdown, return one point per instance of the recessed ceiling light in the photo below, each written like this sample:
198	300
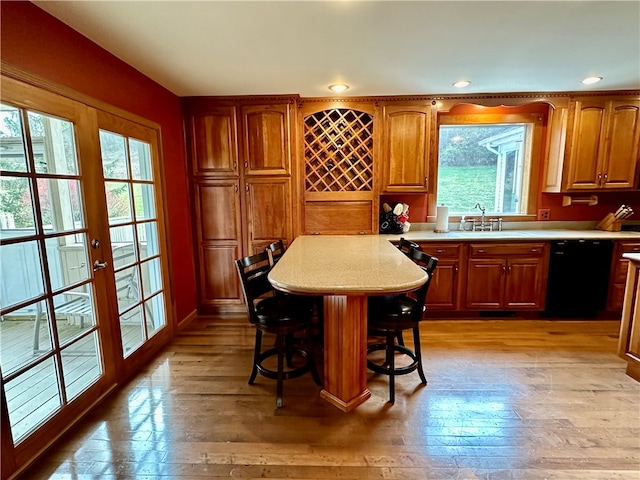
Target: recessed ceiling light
591	80
338	87
462	84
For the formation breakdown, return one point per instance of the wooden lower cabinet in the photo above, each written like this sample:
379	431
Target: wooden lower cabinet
507	276
223	236
629	342
219	280
618	277
444	289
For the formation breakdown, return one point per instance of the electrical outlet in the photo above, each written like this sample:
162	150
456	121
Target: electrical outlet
544	213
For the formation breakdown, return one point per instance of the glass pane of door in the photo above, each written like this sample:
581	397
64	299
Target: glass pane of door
133	226
49	332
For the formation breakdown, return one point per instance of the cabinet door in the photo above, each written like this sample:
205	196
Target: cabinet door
219	283
406	148
219	231
524	284
266	139
443	290
622	145
485	283
218	211
268	212
214	149
585	156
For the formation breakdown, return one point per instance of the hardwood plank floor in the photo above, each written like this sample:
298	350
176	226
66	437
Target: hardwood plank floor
506	399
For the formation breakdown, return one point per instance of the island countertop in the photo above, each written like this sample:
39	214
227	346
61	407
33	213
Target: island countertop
345	265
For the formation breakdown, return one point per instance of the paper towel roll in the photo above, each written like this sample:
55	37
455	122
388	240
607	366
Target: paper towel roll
442	219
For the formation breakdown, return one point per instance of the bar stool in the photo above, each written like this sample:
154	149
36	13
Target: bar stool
405	246
281	315
390	316
277	250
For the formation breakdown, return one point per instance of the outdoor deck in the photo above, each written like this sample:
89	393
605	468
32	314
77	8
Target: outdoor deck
35	394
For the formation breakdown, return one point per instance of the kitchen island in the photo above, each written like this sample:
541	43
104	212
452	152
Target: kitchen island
345	270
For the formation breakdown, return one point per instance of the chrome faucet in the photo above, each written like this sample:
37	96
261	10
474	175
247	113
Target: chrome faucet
482	209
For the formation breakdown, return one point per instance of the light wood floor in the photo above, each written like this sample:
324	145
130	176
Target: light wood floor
506	399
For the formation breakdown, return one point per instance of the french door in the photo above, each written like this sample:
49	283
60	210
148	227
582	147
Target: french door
83	286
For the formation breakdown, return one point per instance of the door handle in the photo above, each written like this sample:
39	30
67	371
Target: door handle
98	265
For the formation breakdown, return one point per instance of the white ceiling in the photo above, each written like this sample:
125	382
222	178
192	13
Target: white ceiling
377	47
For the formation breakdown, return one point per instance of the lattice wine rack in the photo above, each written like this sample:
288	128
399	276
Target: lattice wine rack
338	151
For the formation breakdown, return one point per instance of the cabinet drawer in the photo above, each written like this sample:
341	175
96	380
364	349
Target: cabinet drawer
492	249
442	250
629	247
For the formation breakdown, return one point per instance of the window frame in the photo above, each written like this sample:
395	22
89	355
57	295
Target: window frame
496	115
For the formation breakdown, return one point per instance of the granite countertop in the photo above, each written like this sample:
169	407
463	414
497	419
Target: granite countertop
345	265
516	231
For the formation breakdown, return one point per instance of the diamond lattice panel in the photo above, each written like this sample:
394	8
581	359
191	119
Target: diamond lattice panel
338	151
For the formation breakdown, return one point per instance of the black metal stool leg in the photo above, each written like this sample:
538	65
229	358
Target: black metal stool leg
288	347
280	341
256	356
391	361
418	352
312	357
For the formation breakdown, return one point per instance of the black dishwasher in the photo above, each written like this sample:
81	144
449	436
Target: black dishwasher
578	278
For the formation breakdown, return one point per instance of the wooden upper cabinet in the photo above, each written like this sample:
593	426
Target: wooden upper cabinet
622	145
213	141
406	146
604	147
266	139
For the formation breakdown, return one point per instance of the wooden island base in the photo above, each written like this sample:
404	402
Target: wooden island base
345	351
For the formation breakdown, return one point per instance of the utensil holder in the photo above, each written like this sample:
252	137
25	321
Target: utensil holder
609	224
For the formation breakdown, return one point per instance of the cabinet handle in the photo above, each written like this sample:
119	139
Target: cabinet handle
439	251
235	165
480	250
246	188
606	178
455	269
534	250
236	188
599	179
426	181
509	269
246	164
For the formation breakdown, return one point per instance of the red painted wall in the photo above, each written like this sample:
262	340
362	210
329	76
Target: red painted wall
36	42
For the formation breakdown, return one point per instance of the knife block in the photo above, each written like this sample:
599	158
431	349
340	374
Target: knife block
610	224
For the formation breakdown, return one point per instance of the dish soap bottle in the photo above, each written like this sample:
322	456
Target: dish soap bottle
462	223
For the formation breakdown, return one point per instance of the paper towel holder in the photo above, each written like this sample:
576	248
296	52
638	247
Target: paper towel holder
440	227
